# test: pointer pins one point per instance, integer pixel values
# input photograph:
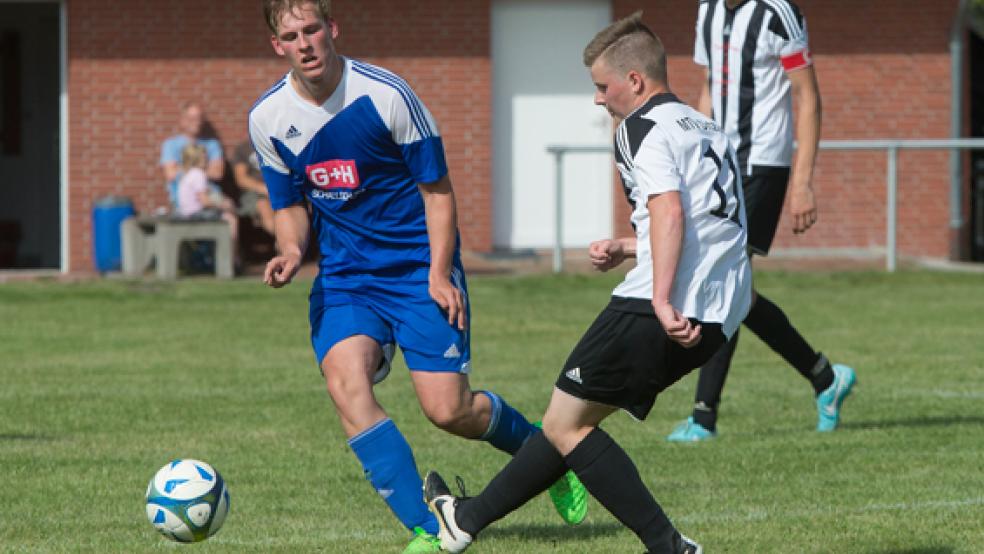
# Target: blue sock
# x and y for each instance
(389, 465)
(508, 429)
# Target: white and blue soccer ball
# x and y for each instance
(187, 501)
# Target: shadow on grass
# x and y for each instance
(552, 533)
(927, 550)
(24, 437)
(940, 421)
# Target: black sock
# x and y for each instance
(710, 383)
(768, 321)
(612, 478)
(535, 467)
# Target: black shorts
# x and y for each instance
(764, 191)
(625, 358)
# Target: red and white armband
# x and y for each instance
(797, 60)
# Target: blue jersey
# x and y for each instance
(357, 159)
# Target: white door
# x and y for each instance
(542, 95)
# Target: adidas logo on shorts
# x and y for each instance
(574, 375)
(452, 352)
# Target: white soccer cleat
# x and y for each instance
(690, 546)
(442, 504)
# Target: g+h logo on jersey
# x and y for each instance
(334, 174)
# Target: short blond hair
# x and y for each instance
(626, 45)
(273, 10)
(193, 155)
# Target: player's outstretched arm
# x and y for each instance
(608, 253)
(806, 94)
(291, 226)
(666, 222)
(442, 233)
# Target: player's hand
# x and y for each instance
(450, 299)
(802, 206)
(678, 328)
(281, 270)
(606, 254)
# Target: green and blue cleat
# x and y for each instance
(690, 431)
(830, 400)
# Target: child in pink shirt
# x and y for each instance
(199, 199)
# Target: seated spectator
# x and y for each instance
(197, 198)
(254, 200)
(191, 124)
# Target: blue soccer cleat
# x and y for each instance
(690, 431)
(829, 401)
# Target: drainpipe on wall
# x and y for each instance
(957, 33)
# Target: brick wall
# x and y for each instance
(881, 76)
(131, 65)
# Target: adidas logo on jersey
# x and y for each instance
(574, 375)
(452, 352)
(292, 133)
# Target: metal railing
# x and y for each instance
(891, 147)
(559, 152)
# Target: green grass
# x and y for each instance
(103, 382)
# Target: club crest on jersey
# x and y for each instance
(334, 174)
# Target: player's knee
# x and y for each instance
(551, 427)
(453, 418)
(345, 386)
(559, 432)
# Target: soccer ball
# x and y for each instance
(187, 501)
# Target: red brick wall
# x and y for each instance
(131, 64)
(881, 76)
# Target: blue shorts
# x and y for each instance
(392, 309)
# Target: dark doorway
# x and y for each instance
(976, 52)
(30, 159)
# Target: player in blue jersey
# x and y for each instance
(352, 157)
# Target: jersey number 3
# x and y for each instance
(726, 179)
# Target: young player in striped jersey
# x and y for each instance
(757, 57)
(688, 292)
(349, 152)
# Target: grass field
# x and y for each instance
(103, 382)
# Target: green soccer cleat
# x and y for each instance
(569, 497)
(422, 542)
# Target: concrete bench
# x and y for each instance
(148, 238)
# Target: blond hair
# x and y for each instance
(193, 155)
(629, 45)
(273, 10)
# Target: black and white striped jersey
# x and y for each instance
(747, 51)
(666, 146)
